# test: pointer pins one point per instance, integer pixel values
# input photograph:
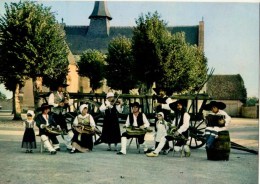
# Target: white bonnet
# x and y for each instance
(110, 94)
(82, 107)
(161, 113)
(30, 112)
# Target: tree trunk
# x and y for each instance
(16, 104)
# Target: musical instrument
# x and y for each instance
(171, 130)
(215, 120)
(137, 131)
(86, 129)
(54, 130)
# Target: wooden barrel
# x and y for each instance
(221, 147)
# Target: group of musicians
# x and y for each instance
(80, 137)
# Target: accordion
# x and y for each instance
(215, 120)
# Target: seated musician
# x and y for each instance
(43, 121)
(59, 99)
(217, 121)
(137, 120)
(180, 126)
(83, 128)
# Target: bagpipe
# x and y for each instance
(86, 129)
(215, 120)
(132, 130)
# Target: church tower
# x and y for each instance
(99, 20)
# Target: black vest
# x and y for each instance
(140, 121)
(179, 115)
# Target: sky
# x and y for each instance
(231, 29)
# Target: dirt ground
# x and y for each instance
(106, 167)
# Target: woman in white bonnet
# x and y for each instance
(83, 142)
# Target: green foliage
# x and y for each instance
(120, 65)
(2, 96)
(91, 65)
(148, 41)
(165, 58)
(184, 67)
(32, 44)
(252, 101)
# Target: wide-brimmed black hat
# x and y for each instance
(173, 105)
(44, 106)
(135, 104)
(219, 105)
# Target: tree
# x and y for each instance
(120, 65)
(32, 44)
(165, 58)
(184, 67)
(91, 65)
(2, 96)
(148, 39)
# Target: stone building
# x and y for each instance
(97, 35)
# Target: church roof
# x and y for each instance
(226, 87)
(100, 10)
(78, 40)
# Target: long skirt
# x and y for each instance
(29, 140)
(83, 140)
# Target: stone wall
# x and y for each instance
(250, 112)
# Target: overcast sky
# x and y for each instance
(231, 28)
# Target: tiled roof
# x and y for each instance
(78, 40)
(226, 87)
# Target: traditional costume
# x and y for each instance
(111, 131)
(134, 121)
(55, 99)
(180, 124)
(29, 140)
(216, 121)
(82, 142)
(46, 120)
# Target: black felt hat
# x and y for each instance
(173, 105)
(219, 105)
(135, 104)
(44, 106)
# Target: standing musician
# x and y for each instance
(60, 102)
(111, 130)
(163, 102)
(217, 121)
(43, 121)
(180, 124)
(137, 120)
(84, 129)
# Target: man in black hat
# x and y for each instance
(60, 102)
(217, 120)
(43, 120)
(163, 102)
(135, 119)
(181, 123)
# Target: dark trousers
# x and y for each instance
(140, 138)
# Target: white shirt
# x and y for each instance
(145, 120)
(162, 128)
(185, 125)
